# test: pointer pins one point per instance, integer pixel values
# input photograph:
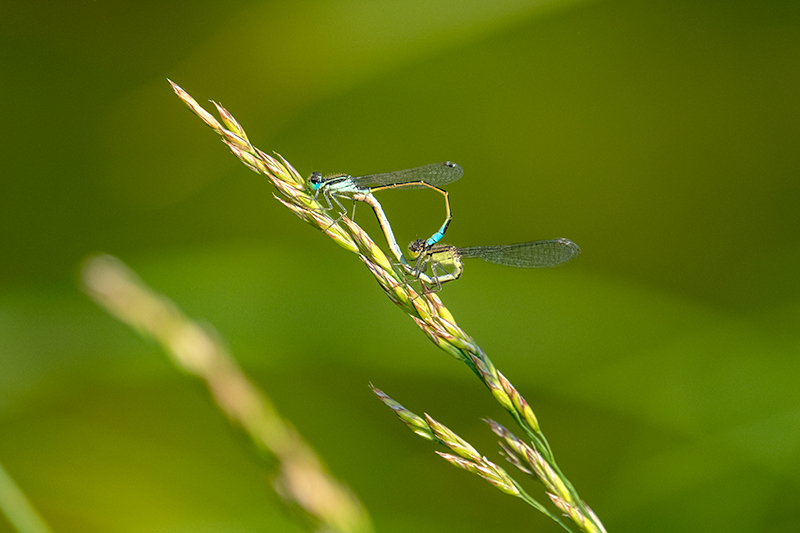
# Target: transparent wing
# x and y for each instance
(534, 254)
(436, 174)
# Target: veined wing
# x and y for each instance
(436, 174)
(534, 254)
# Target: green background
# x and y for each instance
(663, 364)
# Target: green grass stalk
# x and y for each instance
(424, 308)
(19, 510)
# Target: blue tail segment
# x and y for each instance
(436, 237)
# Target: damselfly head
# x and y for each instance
(315, 180)
(416, 248)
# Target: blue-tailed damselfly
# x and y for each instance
(360, 187)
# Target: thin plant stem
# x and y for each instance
(18, 508)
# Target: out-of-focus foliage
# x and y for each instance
(663, 363)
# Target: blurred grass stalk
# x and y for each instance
(18, 508)
(301, 479)
(426, 309)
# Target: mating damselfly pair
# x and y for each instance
(433, 263)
